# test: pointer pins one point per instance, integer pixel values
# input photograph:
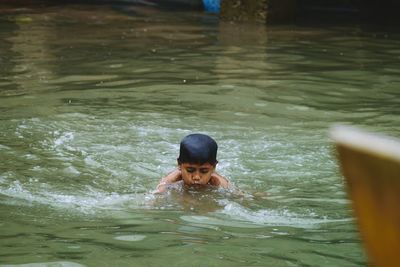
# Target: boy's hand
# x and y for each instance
(218, 180)
(172, 177)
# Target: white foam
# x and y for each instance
(269, 217)
(65, 137)
(88, 202)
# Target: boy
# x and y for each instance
(196, 164)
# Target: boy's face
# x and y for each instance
(196, 174)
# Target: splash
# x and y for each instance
(235, 215)
(88, 202)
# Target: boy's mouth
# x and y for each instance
(196, 183)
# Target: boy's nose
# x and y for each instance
(196, 176)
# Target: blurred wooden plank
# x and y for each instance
(371, 165)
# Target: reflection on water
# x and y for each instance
(94, 101)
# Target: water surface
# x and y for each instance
(95, 99)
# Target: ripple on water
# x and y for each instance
(81, 78)
(46, 264)
(130, 238)
(206, 220)
(237, 216)
(270, 217)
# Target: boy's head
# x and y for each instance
(198, 148)
(197, 159)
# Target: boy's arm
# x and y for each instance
(219, 180)
(171, 178)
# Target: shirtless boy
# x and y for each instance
(196, 164)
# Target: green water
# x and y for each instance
(94, 101)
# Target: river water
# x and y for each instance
(95, 99)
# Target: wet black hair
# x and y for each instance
(198, 148)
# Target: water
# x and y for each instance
(95, 99)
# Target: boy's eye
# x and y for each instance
(204, 170)
(190, 170)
